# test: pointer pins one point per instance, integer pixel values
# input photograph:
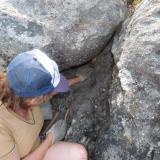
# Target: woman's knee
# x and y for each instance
(80, 151)
(66, 151)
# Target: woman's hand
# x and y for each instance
(58, 131)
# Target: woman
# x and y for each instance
(32, 78)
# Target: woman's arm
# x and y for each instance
(75, 80)
(39, 152)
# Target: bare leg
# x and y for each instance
(66, 151)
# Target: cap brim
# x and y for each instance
(63, 85)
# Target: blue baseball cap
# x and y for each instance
(33, 73)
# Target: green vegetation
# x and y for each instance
(131, 7)
(136, 2)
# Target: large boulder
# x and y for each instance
(134, 133)
(71, 32)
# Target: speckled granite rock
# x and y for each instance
(134, 133)
(72, 32)
(88, 103)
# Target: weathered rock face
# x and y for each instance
(134, 133)
(129, 1)
(88, 103)
(72, 32)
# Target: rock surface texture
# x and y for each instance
(88, 103)
(71, 32)
(134, 133)
(115, 112)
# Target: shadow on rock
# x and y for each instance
(87, 102)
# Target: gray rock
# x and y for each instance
(2, 64)
(129, 1)
(71, 32)
(88, 103)
(134, 133)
